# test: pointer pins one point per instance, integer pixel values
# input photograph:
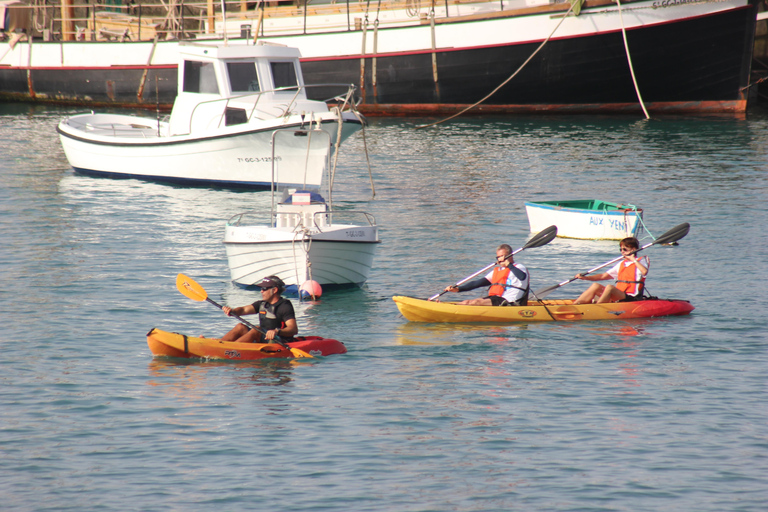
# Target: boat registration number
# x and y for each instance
(257, 160)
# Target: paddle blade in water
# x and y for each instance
(540, 294)
(300, 353)
(189, 288)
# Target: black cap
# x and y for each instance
(272, 282)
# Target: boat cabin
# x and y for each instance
(223, 86)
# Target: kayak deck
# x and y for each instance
(172, 344)
(420, 310)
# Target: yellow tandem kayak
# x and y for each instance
(420, 310)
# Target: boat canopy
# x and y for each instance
(313, 197)
(234, 85)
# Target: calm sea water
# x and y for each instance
(664, 414)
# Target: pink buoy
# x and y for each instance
(310, 290)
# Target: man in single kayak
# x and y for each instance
(509, 282)
(276, 315)
(629, 274)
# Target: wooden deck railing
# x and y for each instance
(72, 20)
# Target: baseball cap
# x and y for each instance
(271, 282)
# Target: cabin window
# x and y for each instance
(284, 74)
(243, 77)
(200, 77)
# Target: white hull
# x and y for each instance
(235, 123)
(341, 256)
(237, 156)
(584, 224)
(686, 56)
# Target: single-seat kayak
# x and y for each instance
(172, 344)
(420, 310)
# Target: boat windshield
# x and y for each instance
(284, 74)
(243, 77)
(200, 77)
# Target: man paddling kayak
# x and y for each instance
(276, 315)
(508, 281)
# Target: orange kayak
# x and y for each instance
(172, 344)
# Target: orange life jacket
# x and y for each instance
(627, 282)
(499, 281)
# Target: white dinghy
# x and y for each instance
(231, 101)
(586, 219)
(304, 239)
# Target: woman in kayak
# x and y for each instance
(276, 315)
(508, 281)
(629, 273)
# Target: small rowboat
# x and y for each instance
(171, 344)
(588, 219)
(420, 310)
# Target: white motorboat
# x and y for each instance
(303, 240)
(241, 115)
(588, 219)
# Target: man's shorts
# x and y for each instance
(501, 301)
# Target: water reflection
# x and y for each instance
(445, 334)
(188, 375)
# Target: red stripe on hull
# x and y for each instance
(736, 107)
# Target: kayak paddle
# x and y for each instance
(673, 235)
(542, 238)
(189, 288)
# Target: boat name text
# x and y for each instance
(673, 3)
(352, 233)
(232, 354)
(256, 160)
(619, 225)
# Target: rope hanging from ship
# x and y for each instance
(575, 7)
(367, 156)
(349, 100)
(629, 61)
(375, 46)
(412, 7)
(513, 75)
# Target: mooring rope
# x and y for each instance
(629, 61)
(337, 111)
(306, 244)
(365, 149)
(513, 75)
(635, 209)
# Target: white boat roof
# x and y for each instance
(240, 51)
